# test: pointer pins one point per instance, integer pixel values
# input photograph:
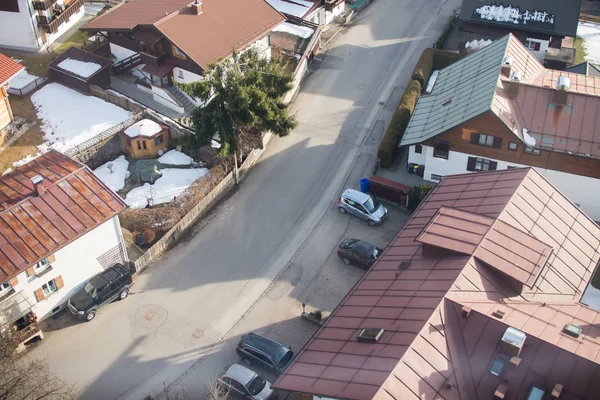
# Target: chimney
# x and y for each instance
(197, 7)
(556, 391)
(514, 84)
(512, 342)
(506, 66)
(38, 185)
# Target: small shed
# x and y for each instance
(78, 69)
(145, 139)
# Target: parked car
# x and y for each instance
(112, 283)
(358, 252)
(363, 206)
(264, 352)
(242, 380)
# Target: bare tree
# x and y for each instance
(217, 391)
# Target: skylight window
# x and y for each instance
(573, 330)
(497, 366)
(370, 334)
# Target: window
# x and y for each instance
(418, 149)
(484, 139)
(481, 164)
(533, 45)
(513, 146)
(139, 145)
(436, 177)
(9, 5)
(532, 150)
(5, 287)
(144, 145)
(441, 150)
(49, 288)
(42, 265)
(177, 52)
(55, 310)
(158, 140)
(510, 167)
(180, 73)
(497, 366)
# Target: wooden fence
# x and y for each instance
(224, 187)
(114, 98)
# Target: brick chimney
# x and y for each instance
(38, 185)
(197, 7)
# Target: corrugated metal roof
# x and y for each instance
(462, 91)
(585, 68)
(73, 202)
(427, 352)
(8, 68)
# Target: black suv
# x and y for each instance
(264, 352)
(101, 289)
(358, 252)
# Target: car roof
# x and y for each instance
(111, 274)
(240, 373)
(262, 343)
(356, 195)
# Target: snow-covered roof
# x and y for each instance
(145, 127)
(84, 69)
(296, 8)
(301, 31)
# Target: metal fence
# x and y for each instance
(37, 83)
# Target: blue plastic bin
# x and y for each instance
(364, 185)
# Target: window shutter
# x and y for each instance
(537, 46)
(493, 165)
(471, 164)
(497, 142)
(59, 282)
(39, 295)
(14, 281)
(30, 271)
(51, 258)
(475, 138)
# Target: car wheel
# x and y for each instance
(342, 210)
(90, 316)
(124, 293)
(346, 261)
(246, 361)
(371, 222)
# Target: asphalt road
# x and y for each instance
(196, 294)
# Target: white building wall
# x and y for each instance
(120, 52)
(262, 47)
(541, 53)
(337, 10)
(184, 76)
(17, 29)
(76, 263)
(75, 18)
(581, 190)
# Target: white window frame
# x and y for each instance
(41, 266)
(49, 288)
(482, 164)
(180, 73)
(486, 140)
(5, 287)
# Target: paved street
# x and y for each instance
(179, 326)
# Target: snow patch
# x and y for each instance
(528, 138)
(114, 173)
(21, 79)
(70, 118)
(477, 44)
(84, 69)
(298, 8)
(591, 40)
(25, 160)
(175, 157)
(171, 184)
(145, 127)
(215, 145)
(296, 30)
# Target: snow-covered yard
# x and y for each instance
(175, 157)
(114, 173)
(172, 183)
(590, 33)
(70, 118)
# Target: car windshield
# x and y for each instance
(94, 285)
(371, 205)
(91, 290)
(256, 385)
(283, 356)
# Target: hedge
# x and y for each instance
(444, 58)
(441, 42)
(389, 143)
(424, 66)
(417, 194)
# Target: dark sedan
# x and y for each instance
(358, 252)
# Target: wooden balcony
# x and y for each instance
(51, 25)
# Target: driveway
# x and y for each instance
(186, 308)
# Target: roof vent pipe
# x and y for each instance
(197, 7)
(563, 83)
(37, 184)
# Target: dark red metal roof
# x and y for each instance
(73, 201)
(422, 347)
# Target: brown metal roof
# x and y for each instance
(425, 344)
(74, 201)
(223, 26)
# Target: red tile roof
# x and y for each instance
(424, 343)
(223, 26)
(73, 202)
(8, 68)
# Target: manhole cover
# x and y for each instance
(151, 316)
(197, 333)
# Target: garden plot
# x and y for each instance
(69, 118)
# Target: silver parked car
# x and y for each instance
(363, 206)
(246, 382)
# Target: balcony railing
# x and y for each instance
(51, 25)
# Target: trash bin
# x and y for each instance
(364, 185)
